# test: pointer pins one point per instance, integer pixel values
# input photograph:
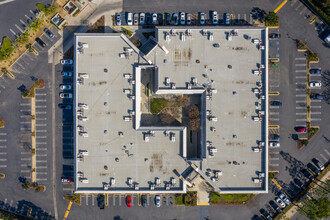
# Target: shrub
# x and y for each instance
(75, 198)
(6, 48)
(25, 185)
(157, 104)
(194, 120)
(312, 131)
(190, 199)
(271, 19)
(301, 45)
(214, 197)
(76, 12)
(45, 9)
(128, 32)
(312, 56)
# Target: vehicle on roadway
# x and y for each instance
(276, 103)
(142, 18)
(215, 17)
(144, 201)
(275, 206)
(157, 201)
(284, 198)
(202, 18)
(318, 163)
(315, 84)
(280, 202)
(65, 106)
(129, 18)
(175, 18)
(66, 61)
(274, 144)
(274, 36)
(316, 96)
(136, 19)
(301, 129)
(65, 87)
(66, 95)
(49, 33)
(66, 74)
(182, 18)
(227, 18)
(40, 42)
(154, 18)
(307, 174)
(129, 201)
(315, 71)
(313, 169)
(118, 19)
(66, 180)
(298, 183)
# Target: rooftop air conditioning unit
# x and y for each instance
(127, 118)
(84, 152)
(172, 137)
(182, 37)
(210, 36)
(213, 118)
(83, 75)
(83, 180)
(82, 105)
(85, 45)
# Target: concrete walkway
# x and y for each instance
(203, 191)
(33, 130)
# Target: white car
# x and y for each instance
(285, 199)
(157, 201)
(65, 87)
(142, 18)
(129, 18)
(188, 19)
(67, 61)
(315, 84)
(274, 144)
(136, 19)
(154, 18)
(202, 18)
(182, 18)
(280, 202)
(65, 95)
(215, 17)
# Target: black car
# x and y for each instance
(144, 201)
(318, 164)
(316, 96)
(160, 19)
(168, 18)
(257, 217)
(40, 42)
(275, 206)
(265, 214)
(148, 18)
(276, 103)
(307, 174)
(49, 33)
(298, 183)
(274, 36)
(65, 106)
(100, 201)
(313, 168)
(315, 71)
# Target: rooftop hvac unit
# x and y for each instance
(172, 32)
(182, 37)
(262, 47)
(213, 149)
(83, 75)
(127, 91)
(210, 36)
(127, 118)
(167, 186)
(172, 137)
(167, 81)
(80, 81)
(188, 85)
(127, 76)
(84, 45)
(173, 181)
(188, 32)
(106, 186)
(255, 41)
(157, 181)
(152, 186)
(82, 105)
(173, 86)
(213, 118)
(167, 37)
(112, 181)
(194, 81)
(83, 118)
(136, 186)
(214, 91)
(204, 32)
(128, 49)
(129, 181)
(122, 55)
(80, 174)
(256, 72)
(83, 180)
(84, 152)
(84, 134)
(146, 137)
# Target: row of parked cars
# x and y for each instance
(66, 88)
(180, 18)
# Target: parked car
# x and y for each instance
(66, 180)
(144, 201)
(40, 42)
(100, 201)
(182, 18)
(298, 183)
(157, 201)
(318, 163)
(66, 61)
(118, 19)
(160, 19)
(202, 18)
(315, 84)
(307, 174)
(284, 198)
(66, 74)
(275, 206)
(257, 217)
(316, 96)
(129, 18)
(168, 18)
(274, 137)
(65, 95)
(148, 18)
(65, 106)
(274, 144)
(315, 71)
(154, 18)
(274, 36)
(265, 214)
(276, 103)
(49, 33)
(188, 19)
(136, 19)
(175, 18)
(142, 18)
(129, 201)
(301, 129)
(227, 18)
(280, 202)
(215, 17)
(65, 87)
(313, 169)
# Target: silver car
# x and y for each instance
(202, 18)
(142, 18)
(215, 17)
(154, 18)
(118, 19)
(136, 19)
(188, 19)
(182, 18)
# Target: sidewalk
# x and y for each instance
(202, 191)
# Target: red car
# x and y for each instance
(301, 129)
(129, 201)
(66, 180)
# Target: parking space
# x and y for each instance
(3, 150)
(316, 104)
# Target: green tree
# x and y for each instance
(6, 48)
(271, 19)
(315, 208)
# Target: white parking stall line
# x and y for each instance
(301, 119)
(3, 147)
(25, 116)
(41, 124)
(299, 107)
(25, 171)
(41, 155)
(25, 122)
(86, 199)
(301, 113)
(276, 152)
(316, 106)
(41, 112)
(324, 158)
(316, 119)
(25, 129)
(300, 64)
(41, 136)
(274, 165)
(43, 173)
(274, 119)
(14, 33)
(300, 95)
(24, 153)
(25, 110)
(300, 58)
(3, 153)
(302, 90)
(23, 104)
(3, 140)
(39, 94)
(18, 27)
(25, 158)
(301, 77)
(2, 86)
(3, 166)
(27, 17)
(315, 100)
(274, 106)
(299, 5)
(3, 133)
(41, 142)
(301, 101)
(300, 71)
(274, 113)
(41, 167)
(41, 100)
(41, 106)
(327, 151)
(32, 13)
(303, 10)
(41, 161)
(274, 86)
(41, 131)
(251, 19)
(300, 83)
(41, 119)
(41, 148)
(316, 113)
(41, 179)
(244, 17)
(93, 198)
(276, 158)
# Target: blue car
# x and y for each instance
(276, 103)
(274, 137)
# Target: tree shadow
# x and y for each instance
(258, 14)
(294, 165)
